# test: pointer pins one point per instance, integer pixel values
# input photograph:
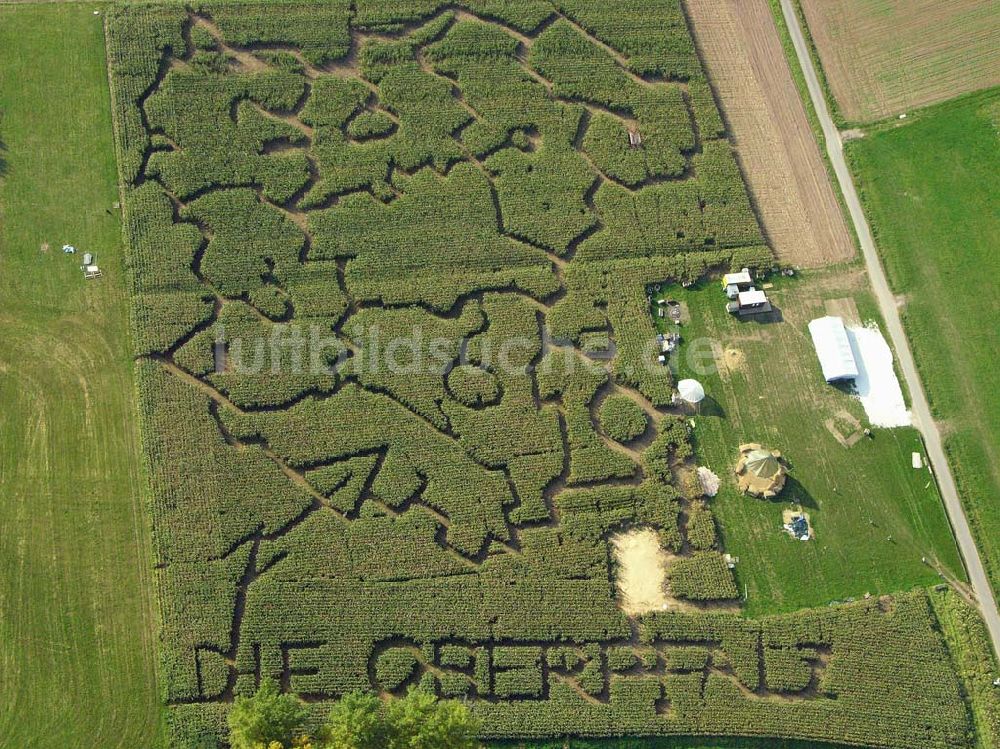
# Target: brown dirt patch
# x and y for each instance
(844, 307)
(781, 161)
(883, 57)
(728, 359)
(736, 360)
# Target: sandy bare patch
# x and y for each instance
(883, 57)
(727, 360)
(736, 360)
(641, 574)
(781, 161)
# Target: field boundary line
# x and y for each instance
(923, 419)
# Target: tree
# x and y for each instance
(272, 720)
(416, 721)
(420, 721)
(266, 718)
(355, 723)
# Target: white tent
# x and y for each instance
(833, 347)
(691, 391)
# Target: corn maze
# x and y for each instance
(308, 184)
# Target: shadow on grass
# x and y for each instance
(847, 387)
(763, 318)
(709, 406)
(795, 493)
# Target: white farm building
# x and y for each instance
(833, 347)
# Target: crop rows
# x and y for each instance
(376, 252)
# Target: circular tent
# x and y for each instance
(691, 391)
(760, 472)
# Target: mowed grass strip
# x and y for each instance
(874, 516)
(76, 622)
(931, 189)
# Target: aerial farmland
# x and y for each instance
(450, 380)
(885, 58)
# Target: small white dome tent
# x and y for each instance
(691, 391)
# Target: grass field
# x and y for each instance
(931, 190)
(76, 623)
(884, 57)
(769, 390)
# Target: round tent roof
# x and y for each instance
(691, 391)
(762, 464)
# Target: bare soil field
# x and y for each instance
(882, 57)
(784, 170)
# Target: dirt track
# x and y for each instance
(785, 172)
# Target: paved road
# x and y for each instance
(890, 312)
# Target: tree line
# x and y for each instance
(271, 719)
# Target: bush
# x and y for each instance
(268, 716)
(415, 720)
(622, 419)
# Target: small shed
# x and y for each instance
(752, 298)
(634, 139)
(742, 280)
(749, 302)
(88, 258)
(833, 347)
